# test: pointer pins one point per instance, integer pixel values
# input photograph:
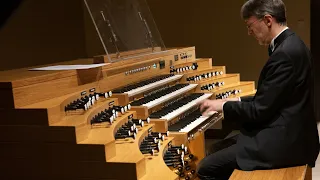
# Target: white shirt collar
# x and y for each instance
(272, 42)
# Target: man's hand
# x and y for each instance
(207, 106)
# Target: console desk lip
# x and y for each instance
(23, 77)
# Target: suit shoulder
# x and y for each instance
(293, 44)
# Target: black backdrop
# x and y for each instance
(315, 49)
(6, 9)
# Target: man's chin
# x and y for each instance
(262, 43)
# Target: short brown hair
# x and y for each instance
(260, 8)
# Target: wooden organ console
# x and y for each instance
(129, 120)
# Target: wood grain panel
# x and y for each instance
(291, 173)
(197, 146)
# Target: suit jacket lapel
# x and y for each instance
(281, 38)
(277, 42)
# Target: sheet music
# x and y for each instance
(68, 67)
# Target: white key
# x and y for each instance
(153, 85)
(170, 96)
(185, 107)
(197, 122)
(194, 124)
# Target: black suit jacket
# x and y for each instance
(278, 124)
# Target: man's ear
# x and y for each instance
(268, 19)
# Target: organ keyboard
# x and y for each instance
(121, 121)
(147, 85)
(190, 122)
(175, 109)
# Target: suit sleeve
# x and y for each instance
(247, 98)
(272, 93)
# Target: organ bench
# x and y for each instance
(292, 173)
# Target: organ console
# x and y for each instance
(135, 118)
(143, 125)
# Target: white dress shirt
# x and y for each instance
(272, 41)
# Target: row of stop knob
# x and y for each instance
(109, 114)
(226, 94)
(204, 76)
(130, 129)
(179, 159)
(211, 86)
(186, 68)
(85, 102)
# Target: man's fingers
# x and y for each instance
(207, 111)
(203, 105)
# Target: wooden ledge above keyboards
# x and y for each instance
(291, 173)
(21, 87)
